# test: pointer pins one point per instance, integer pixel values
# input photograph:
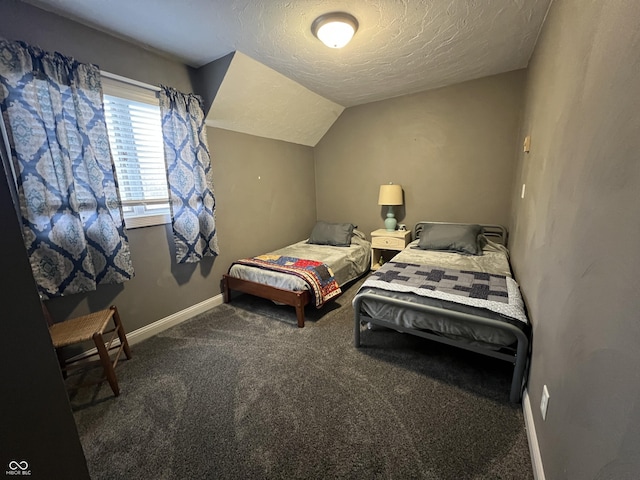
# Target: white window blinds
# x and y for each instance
(135, 136)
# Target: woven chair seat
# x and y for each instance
(79, 329)
(91, 327)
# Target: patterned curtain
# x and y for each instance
(71, 212)
(189, 176)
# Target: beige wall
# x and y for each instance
(453, 150)
(576, 234)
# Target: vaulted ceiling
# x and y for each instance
(401, 46)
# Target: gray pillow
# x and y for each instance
(336, 234)
(454, 238)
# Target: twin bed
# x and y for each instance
(452, 284)
(309, 271)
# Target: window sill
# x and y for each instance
(146, 221)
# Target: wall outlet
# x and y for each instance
(544, 402)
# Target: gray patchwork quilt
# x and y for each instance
(497, 293)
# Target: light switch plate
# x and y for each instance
(544, 402)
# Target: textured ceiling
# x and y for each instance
(402, 46)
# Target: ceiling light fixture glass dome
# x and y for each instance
(335, 29)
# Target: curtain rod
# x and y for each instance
(120, 78)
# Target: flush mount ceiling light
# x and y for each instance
(335, 29)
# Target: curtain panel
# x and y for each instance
(189, 175)
(71, 211)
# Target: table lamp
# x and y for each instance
(390, 195)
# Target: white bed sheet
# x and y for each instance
(494, 259)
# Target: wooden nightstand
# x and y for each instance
(386, 244)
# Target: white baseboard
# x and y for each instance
(175, 319)
(158, 326)
(534, 448)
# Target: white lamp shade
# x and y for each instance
(390, 195)
(336, 29)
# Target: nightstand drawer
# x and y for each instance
(388, 242)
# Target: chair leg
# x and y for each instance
(105, 359)
(121, 333)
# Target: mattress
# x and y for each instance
(495, 260)
(346, 263)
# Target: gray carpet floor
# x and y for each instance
(240, 393)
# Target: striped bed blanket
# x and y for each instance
(317, 275)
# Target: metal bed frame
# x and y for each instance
(518, 357)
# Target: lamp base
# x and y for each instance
(390, 222)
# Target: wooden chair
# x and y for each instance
(91, 327)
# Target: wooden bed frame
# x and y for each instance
(518, 356)
(294, 298)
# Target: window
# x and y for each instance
(135, 135)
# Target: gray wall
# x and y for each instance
(451, 149)
(576, 234)
(252, 214)
(36, 424)
(265, 194)
(455, 151)
(208, 79)
(20, 21)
